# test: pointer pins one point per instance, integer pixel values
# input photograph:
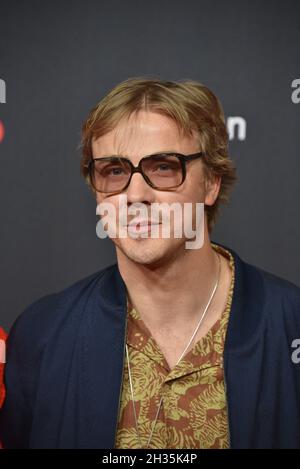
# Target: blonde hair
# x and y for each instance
(189, 103)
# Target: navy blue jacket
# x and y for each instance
(65, 360)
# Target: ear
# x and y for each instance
(213, 184)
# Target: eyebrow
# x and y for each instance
(128, 157)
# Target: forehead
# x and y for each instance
(143, 133)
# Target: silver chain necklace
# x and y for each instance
(183, 353)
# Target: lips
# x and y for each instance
(138, 223)
(140, 227)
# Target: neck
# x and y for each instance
(172, 292)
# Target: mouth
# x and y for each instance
(142, 226)
(141, 223)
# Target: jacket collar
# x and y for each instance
(106, 316)
(247, 300)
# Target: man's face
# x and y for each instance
(143, 134)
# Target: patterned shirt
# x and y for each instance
(194, 410)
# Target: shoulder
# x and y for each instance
(45, 316)
(276, 289)
(270, 284)
(280, 297)
(263, 296)
(281, 288)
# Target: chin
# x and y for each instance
(148, 251)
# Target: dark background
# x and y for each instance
(59, 58)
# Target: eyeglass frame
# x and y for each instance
(183, 159)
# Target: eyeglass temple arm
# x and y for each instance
(194, 156)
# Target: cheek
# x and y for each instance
(195, 193)
(102, 198)
(194, 189)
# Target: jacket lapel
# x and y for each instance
(103, 340)
(243, 353)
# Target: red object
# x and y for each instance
(2, 131)
(2, 360)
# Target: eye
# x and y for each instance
(163, 167)
(115, 171)
(110, 170)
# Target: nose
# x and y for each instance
(139, 191)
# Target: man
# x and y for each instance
(171, 347)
